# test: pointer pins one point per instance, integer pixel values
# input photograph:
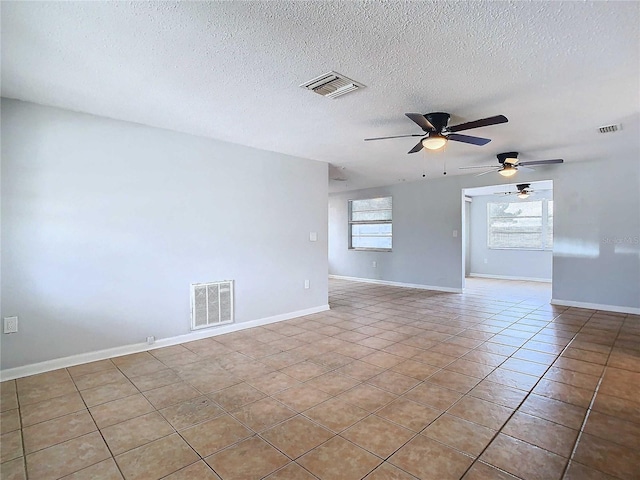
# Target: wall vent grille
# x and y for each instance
(211, 304)
(332, 85)
(610, 128)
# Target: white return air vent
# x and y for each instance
(332, 85)
(610, 128)
(211, 304)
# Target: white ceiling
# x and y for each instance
(231, 70)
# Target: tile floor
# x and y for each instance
(392, 383)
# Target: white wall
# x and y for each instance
(530, 264)
(105, 224)
(596, 258)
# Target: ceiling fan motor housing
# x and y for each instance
(439, 120)
(503, 157)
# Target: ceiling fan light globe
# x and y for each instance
(434, 142)
(507, 172)
(523, 195)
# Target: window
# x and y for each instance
(520, 225)
(370, 224)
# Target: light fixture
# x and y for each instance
(523, 194)
(507, 171)
(434, 141)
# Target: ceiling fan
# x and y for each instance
(509, 164)
(438, 133)
(524, 190)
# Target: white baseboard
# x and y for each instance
(596, 306)
(47, 366)
(398, 284)
(506, 277)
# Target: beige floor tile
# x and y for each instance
(9, 421)
(386, 471)
(58, 430)
(302, 397)
(156, 459)
(483, 413)
(91, 367)
(472, 369)
(500, 394)
(263, 414)
(554, 410)
(460, 434)
(296, 436)
(171, 395)
(563, 392)
(273, 382)
(626, 409)
(8, 396)
(430, 460)
(34, 394)
(135, 432)
(409, 414)
(482, 471)
(68, 457)
(157, 379)
(359, 370)
(333, 383)
(393, 382)
(367, 397)
(433, 395)
(542, 433)
(382, 359)
(191, 412)
(11, 446)
(292, 471)
(608, 457)
(577, 471)
(104, 470)
(196, 471)
(454, 381)
(48, 409)
(96, 379)
(13, 470)
(523, 459)
(518, 380)
(236, 396)
(304, 371)
(120, 410)
(415, 369)
(339, 459)
(378, 435)
(249, 459)
(106, 393)
(213, 435)
(336, 414)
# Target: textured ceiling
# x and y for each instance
(231, 70)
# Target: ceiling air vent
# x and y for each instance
(610, 128)
(332, 85)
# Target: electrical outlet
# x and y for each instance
(313, 236)
(306, 284)
(151, 340)
(10, 324)
(486, 261)
(374, 264)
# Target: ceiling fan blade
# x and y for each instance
(417, 148)
(484, 173)
(456, 137)
(525, 169)
(478, 166)
(483, 122)
(395, 136)
(542, 162)
(422, 122)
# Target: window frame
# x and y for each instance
(351, 223)
(544, 230)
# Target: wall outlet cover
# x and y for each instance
(10, 324)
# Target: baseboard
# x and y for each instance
(506, 277)
(398, 284)
(47, 366)
(596, 306)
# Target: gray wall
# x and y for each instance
(105, 224)
(534, 264)
(596, 256)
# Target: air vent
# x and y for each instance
(211, 304)
(610, 128)
(332, 85)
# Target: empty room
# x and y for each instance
(330, 240)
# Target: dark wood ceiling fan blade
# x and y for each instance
(542, 162)
(395, 136)
(456, 137)
(483, 122)
(478, 166)
(417, 148)
(422, 122)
